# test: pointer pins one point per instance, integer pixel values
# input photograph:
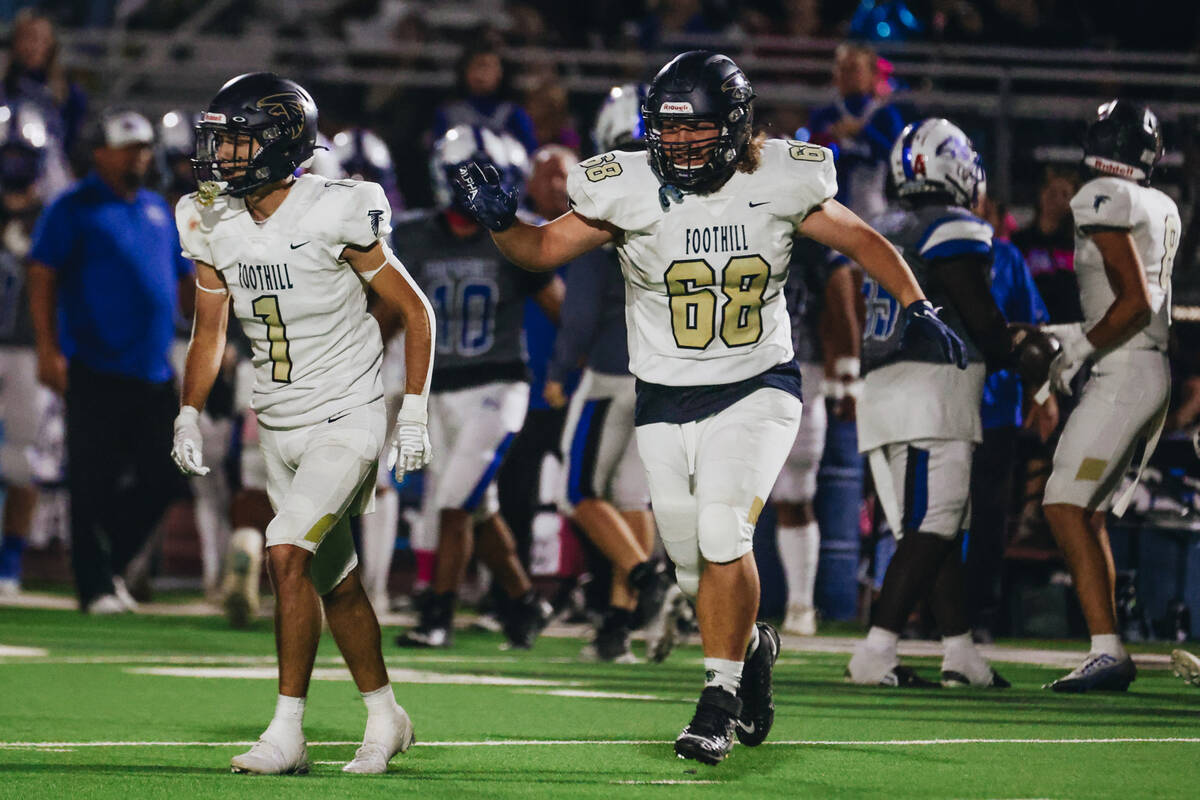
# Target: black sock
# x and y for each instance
(948, 597)
(910, 577)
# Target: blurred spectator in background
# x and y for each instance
(673, 21)
(885, 20)
(23, 402)
(482, 90)
(548, 108)
(363, 156)
(106, 280)
(995, 464)
(1048, 244)
(859, 126)
(34, 74)
(955, 21)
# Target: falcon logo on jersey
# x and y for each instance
(376, 215)
(1100, 199)
(290, 107)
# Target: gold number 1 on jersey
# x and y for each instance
(266, 308)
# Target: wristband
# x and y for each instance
(414, 409)
(846, 367)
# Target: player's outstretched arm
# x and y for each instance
(537, 248)
(836, 226)
(204, 355)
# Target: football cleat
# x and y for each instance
(268, 758)
(611, 644)
(800, 621)
(1099, 672)
(665, 630)
(1186, 666)
(758, 706)
(106, 605)
(868, 668)
(966, 667)
(422, 636)
(708, 738)
(525, 619)
(651, 580)
(372, 757)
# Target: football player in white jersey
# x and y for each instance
(1126, 234)
(703, 220)
(294, 257)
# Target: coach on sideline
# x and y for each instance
(106, 277)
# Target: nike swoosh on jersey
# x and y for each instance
(294, 246)
(756, 205)
(339, 416)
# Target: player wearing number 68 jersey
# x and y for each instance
(1126, 234)
(703, 221)
(294, 256)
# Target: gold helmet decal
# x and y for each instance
(289, 107)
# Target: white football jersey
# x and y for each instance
(1152, 219)
(704, 300)
(316, 350)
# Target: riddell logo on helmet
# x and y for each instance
(675, 108)
(1114, 167)
(210, 116)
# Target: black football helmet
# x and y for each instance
(1124, 140)
(697, 87)
(257, 130)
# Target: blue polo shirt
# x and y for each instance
(119, 264)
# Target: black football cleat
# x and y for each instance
(758, 706)
(524, 620)
(1099, 672)
(953, 679)
(435, 626)
(708, 738)
(651, 580)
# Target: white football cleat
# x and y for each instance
(800, 620)
(106, 605)
(871, 667)
(372, 757)
(1186, 666)
(269, 758)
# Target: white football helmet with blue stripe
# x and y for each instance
(483, 146)
(619, 124)
(935, 156)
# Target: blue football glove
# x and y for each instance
(928, 338)
(478, 191)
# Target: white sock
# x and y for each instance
(882, 640)
(379, 541)
(288, 721)
(957, 645)
(754, 636)
(381, 704)
(799, 552)
(724, 673)
(1110, 644)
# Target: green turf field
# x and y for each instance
(141, 707)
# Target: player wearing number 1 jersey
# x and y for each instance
(294, 257)
(703, 221)
(1126, 234)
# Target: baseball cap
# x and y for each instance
(125, 128)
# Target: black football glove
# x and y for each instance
(478, 191)
(927, 338)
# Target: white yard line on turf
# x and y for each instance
(591, 742)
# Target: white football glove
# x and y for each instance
(1076, 350)
(409, 449)
(186, 451)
